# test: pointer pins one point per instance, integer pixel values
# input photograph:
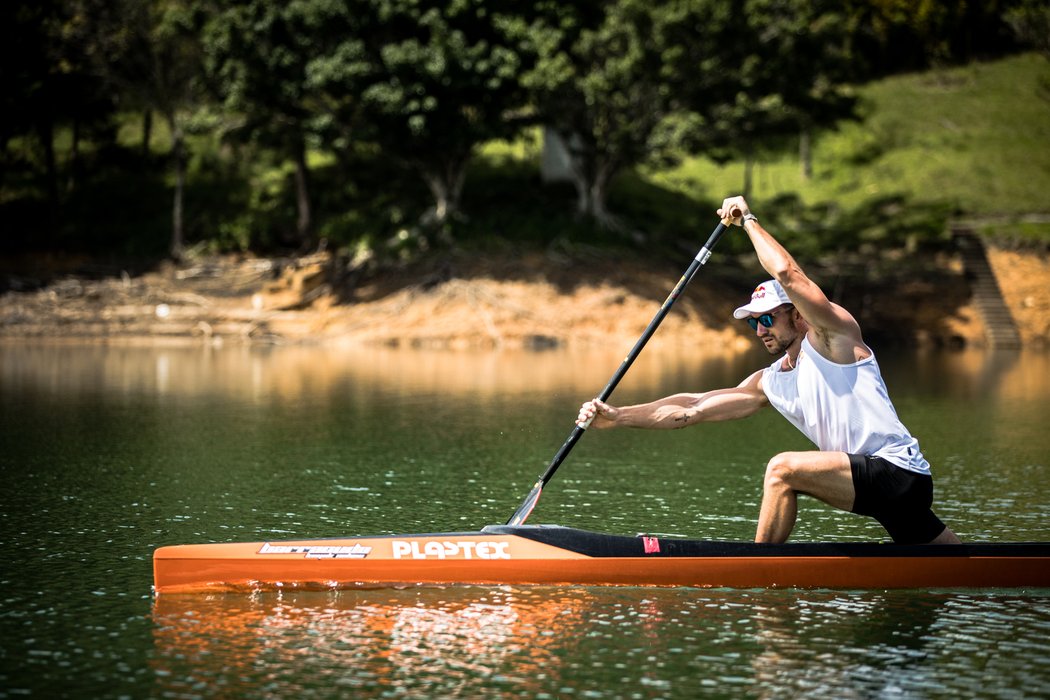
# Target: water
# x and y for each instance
(108, 453)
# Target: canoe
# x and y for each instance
(555, 555)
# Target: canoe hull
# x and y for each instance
(564, 556)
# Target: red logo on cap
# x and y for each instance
(760, 291)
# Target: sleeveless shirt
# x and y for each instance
(842, 408)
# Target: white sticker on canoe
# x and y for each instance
(446, 549)
(358, 551)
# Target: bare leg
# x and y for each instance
(776, 518)
(824, 475)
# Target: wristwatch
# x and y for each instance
(748, 217)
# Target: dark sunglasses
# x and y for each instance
(765, 319)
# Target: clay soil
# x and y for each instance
(463, 301)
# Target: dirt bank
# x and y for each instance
(459, 301)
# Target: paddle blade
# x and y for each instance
(523, 511)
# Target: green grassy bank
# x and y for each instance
(972, 142)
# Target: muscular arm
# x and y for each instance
(680, 410)
(833, 331)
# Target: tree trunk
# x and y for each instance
(805, 154)
(46, 132)
(584, 205)
(599, 197)
(591, 178)
(74, 157)
(439, 190)
(579, 172)
(446, 186)
(178, 245)
(147, 132)
(302, 195)
(749, 164)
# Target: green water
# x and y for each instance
(108, 453)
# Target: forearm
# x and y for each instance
(774, 258)
(682, 410)
(665, 414)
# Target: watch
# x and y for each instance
(748, 217)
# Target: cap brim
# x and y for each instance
(756, 308)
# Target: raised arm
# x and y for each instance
(680, 410)
(833, 331)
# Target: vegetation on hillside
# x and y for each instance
(139, 129)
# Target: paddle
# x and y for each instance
(523, 511)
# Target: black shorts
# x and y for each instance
(898, 498)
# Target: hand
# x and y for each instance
(734, 208)
(597, 414)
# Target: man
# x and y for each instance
(826, 382)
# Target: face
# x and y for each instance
(776, 329)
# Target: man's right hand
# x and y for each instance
(597, 414)
(734, 208)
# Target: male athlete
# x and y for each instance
(826, 382)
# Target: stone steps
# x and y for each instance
(1000, 328)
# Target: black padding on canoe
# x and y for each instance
(595, 544)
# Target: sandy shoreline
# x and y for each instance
(532, 301)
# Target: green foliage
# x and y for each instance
(1030, 22)
(967, 141)
(398, 124)
(428, 82)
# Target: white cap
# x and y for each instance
(766, 297)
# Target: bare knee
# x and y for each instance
(780, 471)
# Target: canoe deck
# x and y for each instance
(555, 555)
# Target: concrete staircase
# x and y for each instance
(1000, 328)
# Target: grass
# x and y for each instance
(972, 140)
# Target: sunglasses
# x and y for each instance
(765, 319)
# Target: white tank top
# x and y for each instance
(842, 408)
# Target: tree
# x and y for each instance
(795, 76)
(45, 82)
(895, 36)
(258, 55)
(1030, 22)
(148, 51)
(428, 81)
(626, 83)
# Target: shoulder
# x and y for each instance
(754, 382)
(831, 329)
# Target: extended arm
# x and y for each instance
(832, 329)
(680, 410)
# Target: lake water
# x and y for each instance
(110, 452)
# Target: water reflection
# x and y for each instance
(545, 642)
(869, 642)
(258, 373)
(979, 375)
(458, 642)
(289, 372)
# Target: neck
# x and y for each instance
(792, 352)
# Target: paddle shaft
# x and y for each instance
(574, 437)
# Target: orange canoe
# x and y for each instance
(547, 554)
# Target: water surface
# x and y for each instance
(109, 453)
